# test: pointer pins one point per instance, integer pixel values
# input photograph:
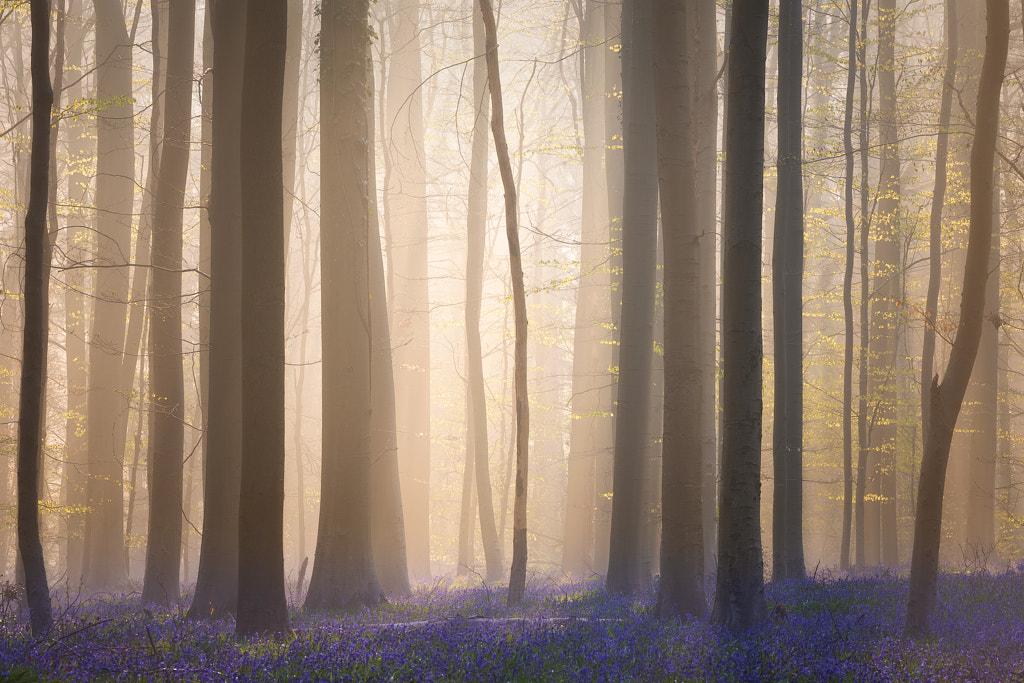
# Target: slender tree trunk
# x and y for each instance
(851, 232)
(217, 581)
(344, 576)
(517, 580)
(739, 599)
(592, 400)
(787, 290)
(705, 81)
(639, 249)
(935, 221)
(75, 322)
(34, 340)
(476, 225)
(860, 504)
(115, 183)
(886, 277)
(163, 551)
(205, 164)
(409, 297)
(681, 590)
(947, 396)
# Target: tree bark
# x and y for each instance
(217, 581)
(947, 396)
(517, 580)
(34, 340)
(115, 183)
(851, 232)
(163, 550)
(262, 605)
(787, 292)
(344, 576)
(639, 249)
(681, 590)
(739, 599)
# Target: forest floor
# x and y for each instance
(827, 629)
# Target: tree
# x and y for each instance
(739, 598)
(681, 590)
(163, 551)
(851, 232)
(787, 292)
(591, 431)
(885, 295)
(517, 580)
(115, 183)
(217, 582)
(406, 215)
(639, 253)
(946, 397)
(262, 605)
(344, 576)
(477, 447)
(35, 337)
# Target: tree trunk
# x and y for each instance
(115, 183)
(947, 396)
(851, 232)
(787, 293)
(591, 427)
(705, 81)
(217, 581)
(885, 300)
(75, 322)
(163, 551)
(739, 599)
(409, 298)
(344, 576)
(34, 340)
(517, 580)
(860, 505)
(639, 249)
(262, 605)
(681, 590)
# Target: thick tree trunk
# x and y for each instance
(851, 236)
(344, 576)
(217, 582)
(163, 550)
(262, 605)
(517, 580)
(639, 249)
(681, 590)
(739, 599)
(115, 184)
(860, 505)
(787, 292)
(34, 340)
(947, 396)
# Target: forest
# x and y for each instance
(462, 340)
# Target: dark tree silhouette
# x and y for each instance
(35, 337)
(787, 292)
(163, 548)
(681, 590)
(262, 605)
(217, 582)
(739, 598)
(946, 397)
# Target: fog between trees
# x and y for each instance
(331, 354)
